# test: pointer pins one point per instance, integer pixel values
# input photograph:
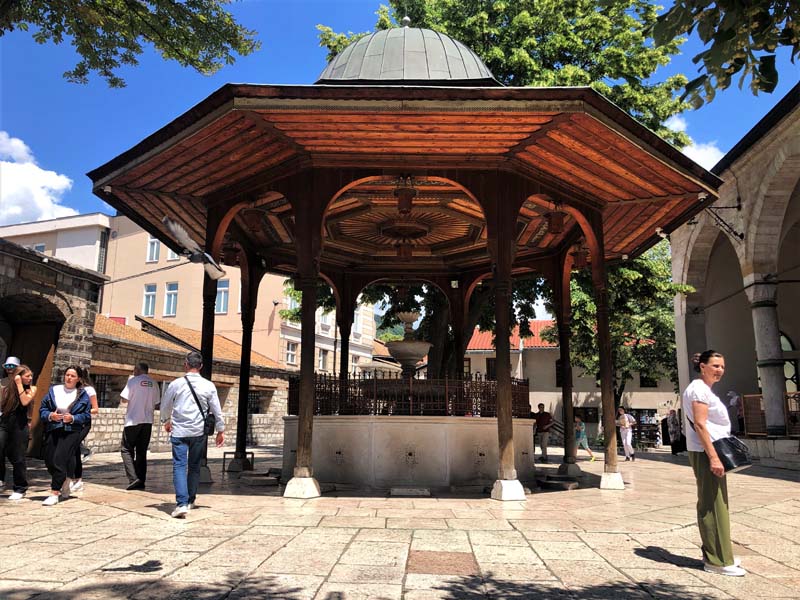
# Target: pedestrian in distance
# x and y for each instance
(580, 437)
(65, 410)
(705, 421)
(544, 421)
(141, 397)
(626, 422)
(16, 396)
(9, 364)
(185, 404)
(677, 441)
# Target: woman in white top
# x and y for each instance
(706, 420)
(64, 411)
(76, 467)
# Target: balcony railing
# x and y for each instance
(394, 395)
(755, 421)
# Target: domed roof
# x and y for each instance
(407, 56)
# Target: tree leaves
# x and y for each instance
(741, 38)
(108, 34)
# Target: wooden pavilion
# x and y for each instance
(408, 161)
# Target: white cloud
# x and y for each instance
(706, 154)
(27, 191)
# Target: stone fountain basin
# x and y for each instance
(406, 350)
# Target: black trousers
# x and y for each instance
(59, 453)
(13, 444)
(135, 440)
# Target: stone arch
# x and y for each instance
(695, 265)
(774, 193)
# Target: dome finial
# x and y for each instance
(406, 21)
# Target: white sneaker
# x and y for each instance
(51, 500)
(76, 486)
(16, 496)
(730, 570)
(191, 506)
(180, 512)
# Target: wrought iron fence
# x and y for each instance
(755, 421)
(469, 396)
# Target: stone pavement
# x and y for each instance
(248, 542)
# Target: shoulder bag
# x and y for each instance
(733, 453)
(209, 421)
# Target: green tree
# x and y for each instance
(642, 322)
(740, 37)
(599, 43)
(110, 33)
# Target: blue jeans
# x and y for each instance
(187, 452)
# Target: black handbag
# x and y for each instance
(209, 420)
(733, 453)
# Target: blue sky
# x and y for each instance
(52, 132)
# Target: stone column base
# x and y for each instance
(205, 474)
(570, 470)
(237, 465)
(612, 481)
(508, 489)
(302, 487)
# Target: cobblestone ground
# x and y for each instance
(248, 542)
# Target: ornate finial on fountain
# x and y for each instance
(408, 351)
(408, 318)
(406, 21)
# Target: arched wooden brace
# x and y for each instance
(591, 225)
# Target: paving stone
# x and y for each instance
(277, 587)
(349, 573)
(375, 553)
(505, 555)
(441, 541)
(442, 563)
(359, 591)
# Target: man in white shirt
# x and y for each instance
(141, 395)
(184, 420)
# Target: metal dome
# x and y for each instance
(407, 56)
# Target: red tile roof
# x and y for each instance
(482, 340)
(224, 348)
(113, 329)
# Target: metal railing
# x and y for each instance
(471, 396)
(755, 420)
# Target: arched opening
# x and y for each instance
(728, 319)
(789, 290)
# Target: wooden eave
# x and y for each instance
(573, 143)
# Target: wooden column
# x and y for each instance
(563, 299)
(507, 487)
(457, 319)
(207, 332)
(251, 274)
(611, 478)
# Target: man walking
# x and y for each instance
(183, 408)
(141, 395)
(544, 421)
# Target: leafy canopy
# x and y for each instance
(642, 319)
(599, 43)
(740, 37)
(108, 34)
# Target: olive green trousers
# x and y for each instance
(712, 512)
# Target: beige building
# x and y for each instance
(147, 279)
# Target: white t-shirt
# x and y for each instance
(64, 397)
(142, 395)
(718, 424)
(90, 391)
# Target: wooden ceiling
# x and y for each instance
(573, 144)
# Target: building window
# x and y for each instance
(223, 291)
(467, 366)
(325, 319)
(171, 300)
(101, 387)
(354, 363)
(172, 255)
(647, 382)
(39, 247)
(153, 249)
(491, 368)
(291, 353)
(149, 303)
(357, 323)
(322, 360)
(254, 402)
(559, 373)
(101, 255)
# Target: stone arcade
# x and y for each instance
(313, 181)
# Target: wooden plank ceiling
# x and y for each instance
(579, 153)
